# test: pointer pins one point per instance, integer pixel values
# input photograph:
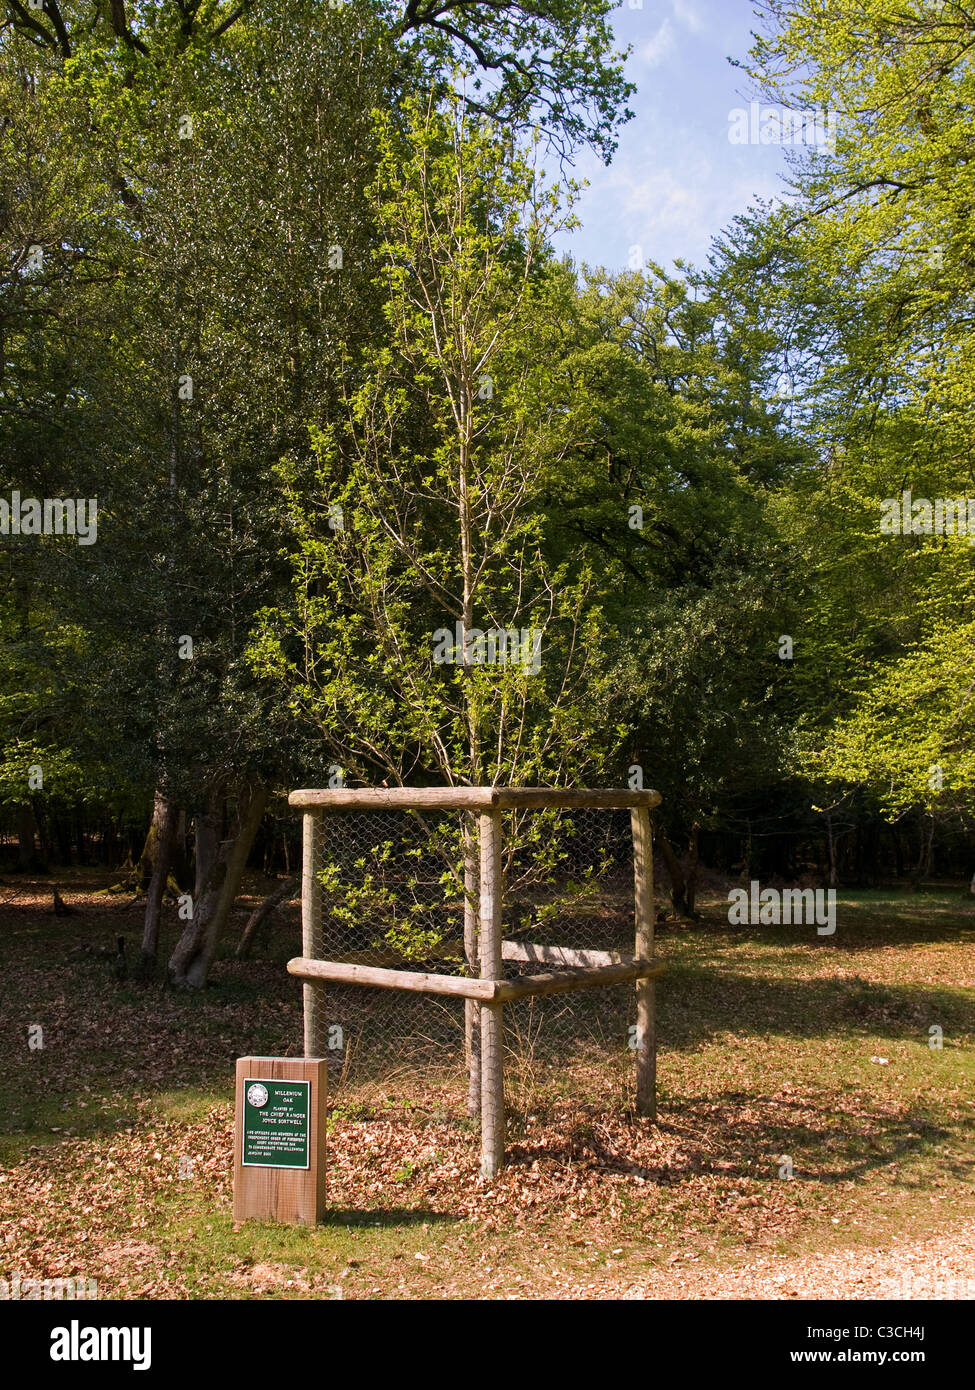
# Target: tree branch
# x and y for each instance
(24, 20)
(120, 27)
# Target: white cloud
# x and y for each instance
(664, 40)
(672, 212)
(686, 14)
(659, 46)
(661, 199)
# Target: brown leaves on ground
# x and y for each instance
(765, 1054)
(97, 1207)
(84, 1206)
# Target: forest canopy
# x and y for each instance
(279, 299)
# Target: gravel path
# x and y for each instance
(939, 1267)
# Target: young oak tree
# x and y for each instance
(431, 635)
(427, 533)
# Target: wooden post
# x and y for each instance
(492, 1026)
(279, 1139)
(313, 995)
(646, 1023)
(472, 1014)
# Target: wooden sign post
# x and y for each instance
(279, 1139)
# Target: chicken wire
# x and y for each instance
(393, 893)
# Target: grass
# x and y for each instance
(116, 1136)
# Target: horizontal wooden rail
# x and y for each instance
(487, 991)
(344, 973)
(469, 798)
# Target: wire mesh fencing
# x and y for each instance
(399, 889)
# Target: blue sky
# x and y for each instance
(675, 180)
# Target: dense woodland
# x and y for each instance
(277, 288)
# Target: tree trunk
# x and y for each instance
(746, 866)
(831, 843)
(109, 842)
(41, 820)
(928, 866)
(26, 828)
(179, 867)
(190, 962)
(262, 914)
(678, 884)
(898, 852)
(206, 842)
(925, 844)
(208, 880)
(690, 878)
(61, 834)
(163, 849)
(150, 850)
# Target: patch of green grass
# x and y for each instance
(344, 1256)
(189, 1103)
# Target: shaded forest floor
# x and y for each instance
(116, 1134)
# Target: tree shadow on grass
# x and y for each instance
(386, 1216)
(745, 1135)
(697, 1004)
(858, 927)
